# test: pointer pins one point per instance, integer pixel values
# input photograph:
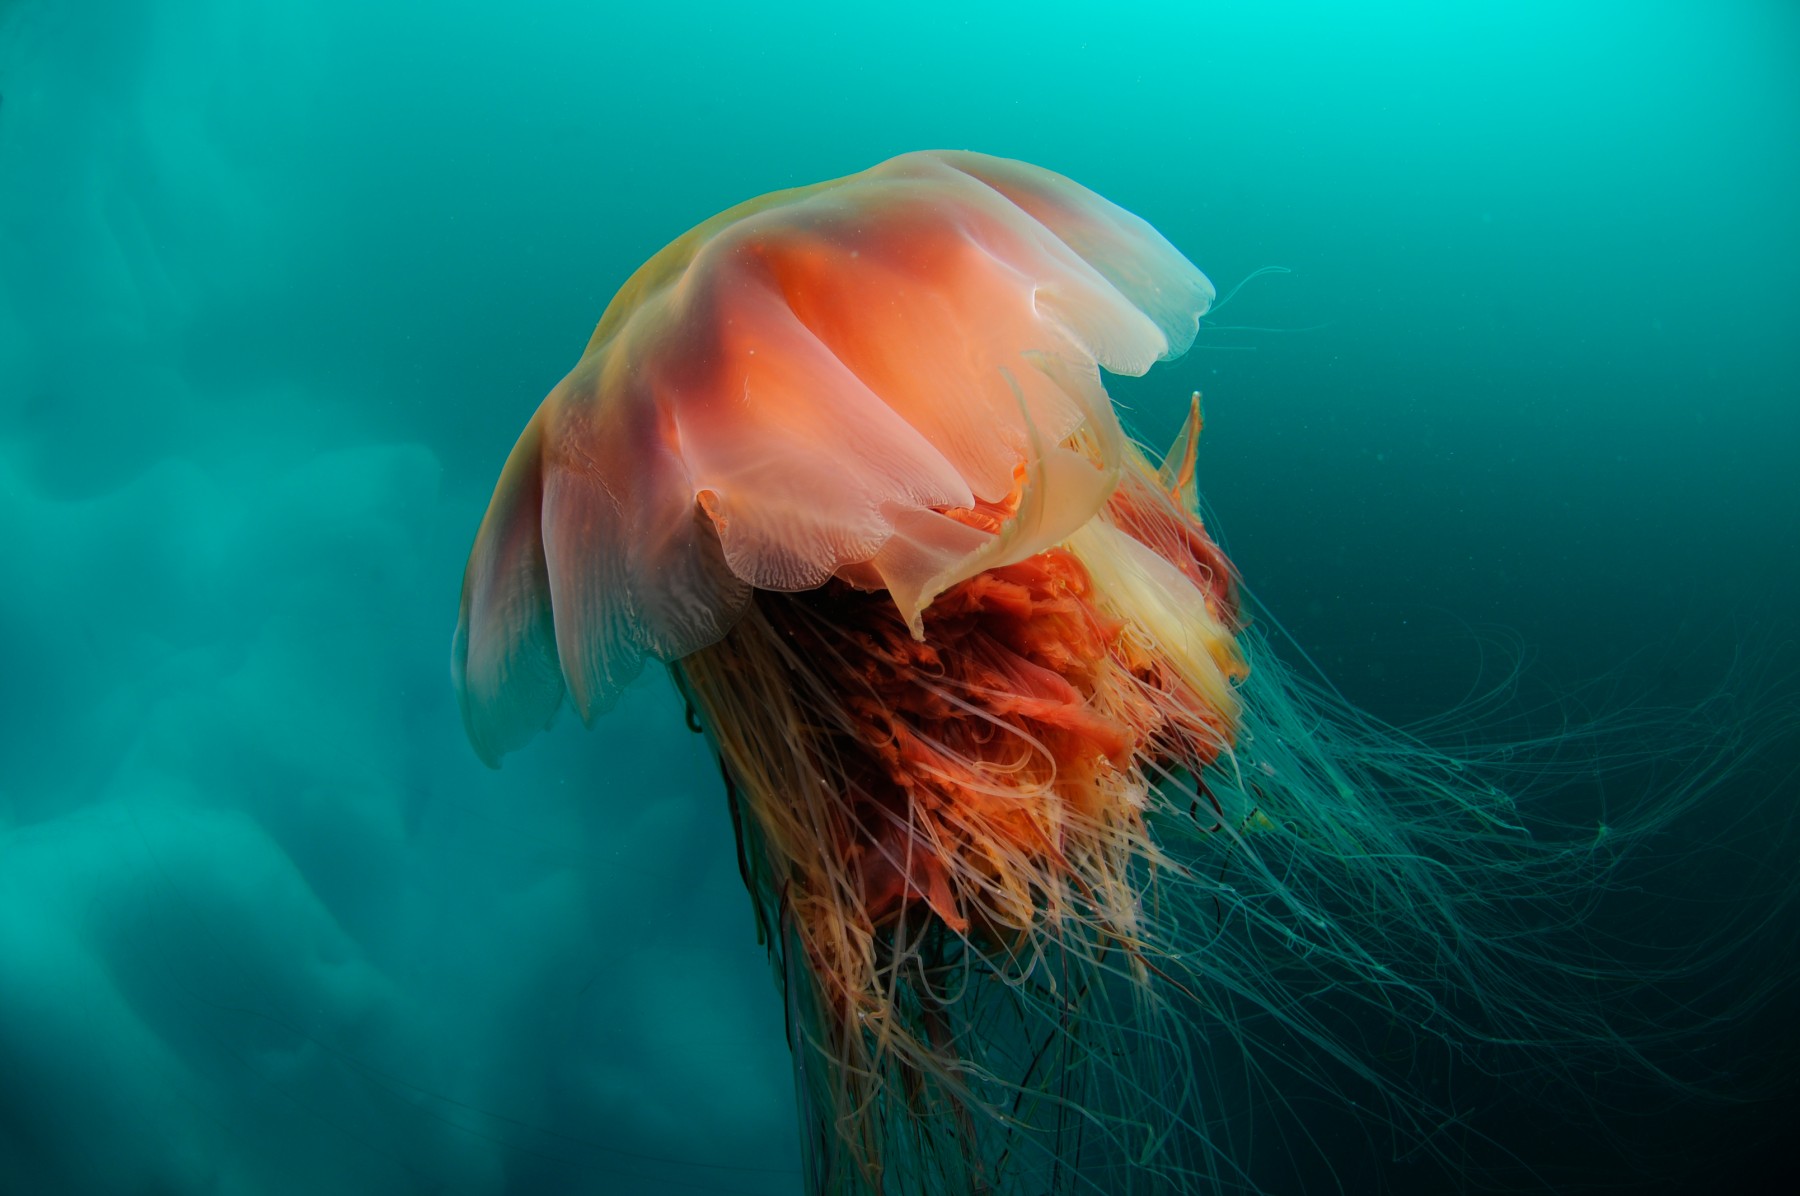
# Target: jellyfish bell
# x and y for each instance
(810, 385)
(1032, 823)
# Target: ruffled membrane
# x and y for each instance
(821, 382)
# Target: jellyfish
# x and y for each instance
(1061, 870)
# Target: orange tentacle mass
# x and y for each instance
(974, 753)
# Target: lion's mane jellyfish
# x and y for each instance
(1063, 874)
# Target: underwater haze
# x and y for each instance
(280, 283)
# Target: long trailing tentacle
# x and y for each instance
(1073, 891)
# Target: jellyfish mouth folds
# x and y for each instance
(979, 745)
(990, 783)
(1003, 755)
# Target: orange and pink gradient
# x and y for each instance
(842, 458)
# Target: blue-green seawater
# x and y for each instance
(280, 283)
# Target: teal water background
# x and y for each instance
(280, 283)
